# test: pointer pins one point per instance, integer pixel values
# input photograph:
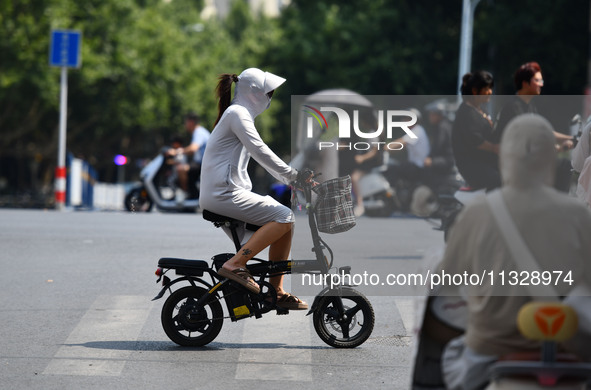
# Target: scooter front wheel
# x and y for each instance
(138, 200)
(345, 320)
(190, 325)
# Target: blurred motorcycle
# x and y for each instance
(159, 186)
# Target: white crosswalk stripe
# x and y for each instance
(276, 350)
(109, 319)
(272, 348)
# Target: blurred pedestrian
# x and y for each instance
(581, 163)
(357, 163)
(528, 83)
(475, 154)
(553, 226)
(417, 153)
(440, 161)
(190, 171)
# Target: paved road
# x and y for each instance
(76, 309)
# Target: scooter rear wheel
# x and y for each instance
(187, 324)
(349, 329)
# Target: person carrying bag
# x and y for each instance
(580, 296)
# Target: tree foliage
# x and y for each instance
(147, 62)
(144, 64)
(553, 33)
(370, 46)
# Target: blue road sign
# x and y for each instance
(64, 49)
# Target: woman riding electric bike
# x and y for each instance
(226, 186)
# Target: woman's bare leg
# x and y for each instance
(279, 251)
(268, 234)
(278, 237)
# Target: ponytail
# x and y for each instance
(223, 92)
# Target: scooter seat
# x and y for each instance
(184, 266)
(222, 219)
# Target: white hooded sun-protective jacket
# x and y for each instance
(225, 183)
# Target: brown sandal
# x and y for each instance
(242, 277)
(291, 302)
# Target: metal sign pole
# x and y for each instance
(64, 52)
(468, 7)
(60, 171)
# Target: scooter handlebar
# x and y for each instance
(305, 179)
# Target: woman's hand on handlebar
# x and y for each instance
(304, 178)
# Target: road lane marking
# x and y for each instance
(407, 309)
(90, 350)
(276, 348)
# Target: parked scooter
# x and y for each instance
(379, 198)
(442, 202)
(159, 186)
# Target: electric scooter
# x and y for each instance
(159, 186)
(193, 315)
(549, 322)
(442, 206)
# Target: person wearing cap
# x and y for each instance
(226, 187)
(553, 226)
